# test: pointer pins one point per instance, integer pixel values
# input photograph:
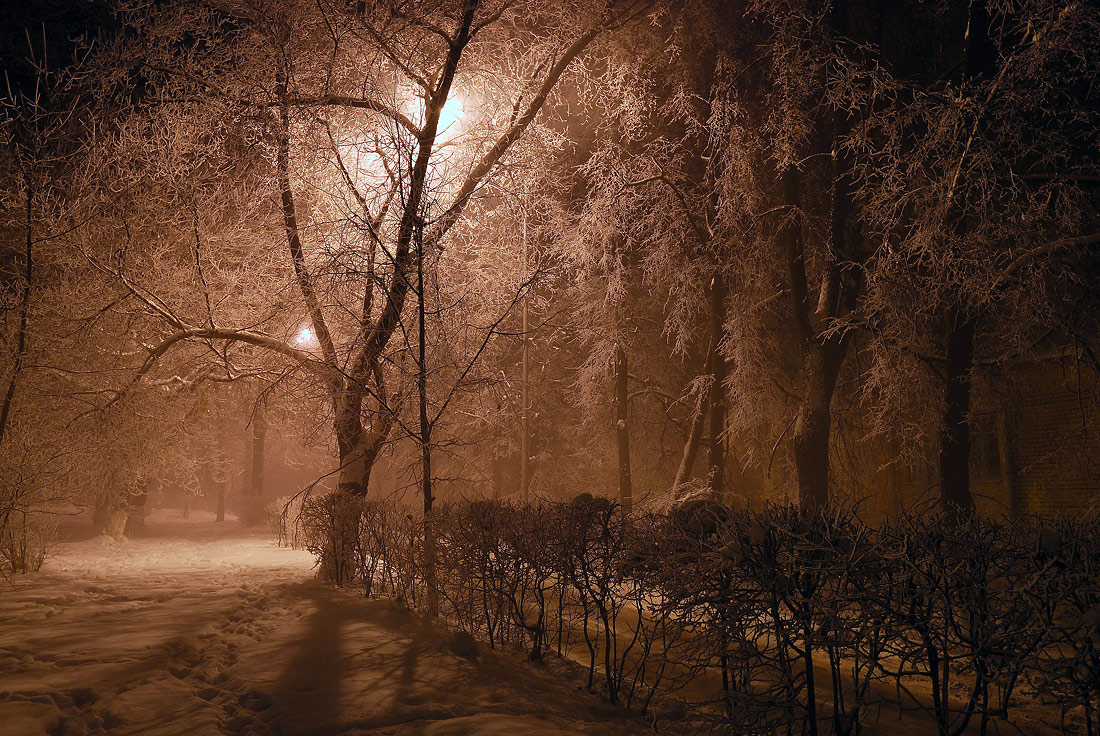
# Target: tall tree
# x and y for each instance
(358, 115)
(742, 181)
(979, 178)
(42, 132)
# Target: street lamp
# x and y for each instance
(305, 338)
(450, 117)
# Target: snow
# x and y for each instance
(196, 627)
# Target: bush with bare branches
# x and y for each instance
(757, 621)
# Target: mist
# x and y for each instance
(577, 367)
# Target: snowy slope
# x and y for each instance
(203, 628)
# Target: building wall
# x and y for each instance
(1052, 438)
(1038, 453)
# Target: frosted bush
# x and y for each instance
(27, 540)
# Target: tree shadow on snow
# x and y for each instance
(311, 685)
(361, 664)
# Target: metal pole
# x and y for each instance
(525, 419)
(422, 376)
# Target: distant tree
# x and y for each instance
(641, 252)
(738, 196)
(42, 133)
(807, 170)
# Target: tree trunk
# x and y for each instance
(99, 512)
(695, 434)
(955, 429)
(717, 472)
(355, 445)
(498, 477)
(822, 351)
(24, 309)
(422, 388)
(259, 439)
(346, 396)
(110, 515)
(222, 489)
(822, 358)
(115, 521)
(1008, 464)
(250, 508)
(206, 479)
(810, 436)
(135, 518)
(429, 550)
(955, 495)
(622, 430)
(525, 389)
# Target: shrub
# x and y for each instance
(26, 541)
(775, 621)
(329, 527)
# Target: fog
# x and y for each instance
(513, 366)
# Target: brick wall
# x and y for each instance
(1047, 434)
(1052, 438)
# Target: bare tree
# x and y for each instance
(353, 116)
(738, 195)
(978, 182)
(41, 136)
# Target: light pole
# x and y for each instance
(525, 418)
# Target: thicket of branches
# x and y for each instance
(871, 214)
(236, 177)
(782, 620)
(777, 235)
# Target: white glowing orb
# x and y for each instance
(450, 115)
(305, 337)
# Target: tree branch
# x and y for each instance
(481, 170)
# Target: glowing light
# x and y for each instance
(450, 115)
(305, 337)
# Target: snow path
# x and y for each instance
(200, 628)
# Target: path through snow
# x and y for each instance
(197, 628)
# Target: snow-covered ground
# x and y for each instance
(199, 628)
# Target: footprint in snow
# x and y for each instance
(254, 701)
